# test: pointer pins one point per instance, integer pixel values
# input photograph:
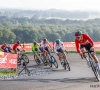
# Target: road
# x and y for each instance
(80, 77)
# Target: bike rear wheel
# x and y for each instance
(54, 61)
(66, 64)
(38, 62)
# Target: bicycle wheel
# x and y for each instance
(66, 64)
(95, 71)
(50, 63)
(54, 61)
(98, 74)
(42, 58)
(19, 61)
(25, 58)
(37, 61)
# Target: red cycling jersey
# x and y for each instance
(85, 40)
(2, 47)
(16, 45)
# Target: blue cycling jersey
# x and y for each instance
(7, 49)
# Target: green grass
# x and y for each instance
(7, 72)
(30, 52)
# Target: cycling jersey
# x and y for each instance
(85, 40)
(57, 47)
(45, 44)
(35, 46)
(2, 47)
(7, 49)
(16, 46)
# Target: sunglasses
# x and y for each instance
(78, 37)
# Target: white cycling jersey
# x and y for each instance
(58, 46)
(45, 44)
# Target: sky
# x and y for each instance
(48, 4)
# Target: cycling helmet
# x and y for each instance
(18, 42)
(44, 39)
(9, 45)
(34, 43)
(58, 41)
(78, 33)
(5, 43)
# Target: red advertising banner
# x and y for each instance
(8, 60)
(68, 45)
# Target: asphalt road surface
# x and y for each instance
(80, 77)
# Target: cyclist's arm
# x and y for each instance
(49, 46)
(77, 46)
(42, 46)
(22, 47)
(89, 39)
(55, 49)
(62, 45)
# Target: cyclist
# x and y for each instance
(3, 46)
(8, 49)
(35, 49)
(59, 48)
(45, 47)
(16, 47)
(84, 42)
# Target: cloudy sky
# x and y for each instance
(47, 4)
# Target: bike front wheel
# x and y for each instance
(54, 61)
(25, 58)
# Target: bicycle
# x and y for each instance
(65, 62)
(47, 61)
(95, 70)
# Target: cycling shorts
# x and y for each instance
(87, 47)
(60, 50)
(47, 49)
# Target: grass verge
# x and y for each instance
(8, 72)
(30, 52)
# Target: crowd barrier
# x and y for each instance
(8, 60)
(68, 45)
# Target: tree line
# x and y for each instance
(34, 29)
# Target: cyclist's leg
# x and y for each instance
(47, 52)
(62, 51)
(82, 48)
(95, 59)
(90, 48)
(43, 51)
(36, 53)
(59, 52)
(94, 55)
